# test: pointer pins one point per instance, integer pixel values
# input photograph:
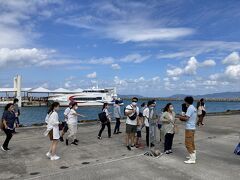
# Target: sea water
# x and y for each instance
(36, 115)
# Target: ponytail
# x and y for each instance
(53, 105)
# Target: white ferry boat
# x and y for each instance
(88, 97)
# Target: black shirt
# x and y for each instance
(10, 118)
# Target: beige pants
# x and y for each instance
(189, 141)
(72, 131)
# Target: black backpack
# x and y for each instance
(103, 117)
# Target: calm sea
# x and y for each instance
(32, 115)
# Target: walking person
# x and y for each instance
(201, 111)
(168, 124)
(190, 118)
(117, 116)
(106, 123)
(72, 122)
(17, 113)
(132, 112)
(64, 123)
(52, 131)
(8, 120)
(148, 114)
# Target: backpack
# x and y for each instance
(103, 117)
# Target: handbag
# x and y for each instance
(237, 149)
(1, 124)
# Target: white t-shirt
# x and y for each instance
(52, 124)
(72, 118)
(192, 114)
(129, 121)
(66, 113)
(146, 116)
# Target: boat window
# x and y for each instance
(87, 98)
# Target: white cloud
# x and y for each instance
(190, 68)
(92, 75)
(116, 66)
(208, 63)
(233, 72)
(232, 58)
(105, 60)
(135, 58)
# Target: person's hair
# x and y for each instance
(8, 106)
(143, 104)
(74, 104)
(184, 107)
(189, 100)
(104, 106)
(53, 105)
(15, 100)
(201, 100)
(117, 102)
(135, 99)
(150, 103)
(165, 109)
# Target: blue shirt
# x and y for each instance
(192, 114)
(10, 118)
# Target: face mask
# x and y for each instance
(76, 108)
(134, 103)
(152, 107)
(171, 108)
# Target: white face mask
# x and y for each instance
(134, 103)
(76, 108)
(171, 108)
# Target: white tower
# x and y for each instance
(17, 88)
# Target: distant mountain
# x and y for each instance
(227, 95)
(129, 96)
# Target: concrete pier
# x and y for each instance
(95, 159)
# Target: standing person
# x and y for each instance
(147, 114)
(190, 118)
(17, 112)
(107, 123)
(184, 109)
(8, 120)
(117, 116)
(65, 126)
(168, 123)
(72, 122)
(140, 125)
(52, 131)
(201, 111)
(132, 112)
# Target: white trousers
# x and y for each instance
(72, 131)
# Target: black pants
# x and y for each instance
(9, 135)
(117, 126)
(103, 127)
(168, 141)
(147, 135)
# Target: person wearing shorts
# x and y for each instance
(132, 112)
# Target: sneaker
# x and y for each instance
(109, 137)
(99, 137)
(55, 157)
(170, 151)
(167, 152)
(74, 143)
(76, 140)
(48, 155)
(61, 139)
(67, 142)
(133, 145)
(3, 148)
(119, 132)
(115, 133)
(190, 161)
(129, 148)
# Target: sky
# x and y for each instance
(152, 48)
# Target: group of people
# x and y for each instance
(137, 119)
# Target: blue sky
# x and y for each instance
(151, 48)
